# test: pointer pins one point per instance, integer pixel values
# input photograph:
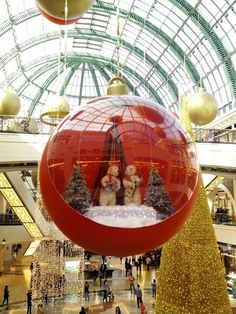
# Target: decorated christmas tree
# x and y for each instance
(157, 197)
(191, 276)
(76, 193)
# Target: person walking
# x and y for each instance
(105, 291)
(82, 311)
(103, 270)
(143, 309)
(148, 262)
(154, 288)
(5, 295)
(131, 280)
(140, 263)
(86, 291)
(139, 295)
(31, 267)
(29, 302)
(95, 276)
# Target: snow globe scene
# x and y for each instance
(123, 161)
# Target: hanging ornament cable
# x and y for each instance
(61, 76)
(65, 47)
(144, 61)
(59, 64)
(184, 82)
(118, 38)
(198, 26)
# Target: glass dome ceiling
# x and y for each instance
(168, 47)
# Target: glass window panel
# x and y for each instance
(233, 59)
(229, 40)
(164, 15)
(211, 9)
(6, 43)
(11, 66)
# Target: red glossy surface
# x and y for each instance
(119, 130)
(57, 20)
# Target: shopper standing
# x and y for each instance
(154, 288)
(131, 280)
(139, 294)
(82, 311)
(5, 295)
(86, 291)
(105, 291)
(148, 262)
(29, 302)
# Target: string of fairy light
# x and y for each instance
(191, 276)
(49, 277)
(49, 272)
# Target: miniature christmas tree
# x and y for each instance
(76, 193)
(157, 197)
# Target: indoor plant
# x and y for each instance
(234, 287)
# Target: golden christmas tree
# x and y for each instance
(191, 275)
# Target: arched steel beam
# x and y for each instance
(38, 95)
(45, 85)
(100, 6)
(114, 72)
(51, 59)
(81, 82)
(67, 79)
(110, 64)
(213, 39)
(181, 4)
(111, 9)
(95, 80)
(34, 76)
(99, 36)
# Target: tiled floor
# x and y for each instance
(19, 283)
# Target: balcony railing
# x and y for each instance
(26, 125)
(215, 135)
(15, 124)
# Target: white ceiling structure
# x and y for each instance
(168, 47)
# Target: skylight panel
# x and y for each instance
(6, 43)
(3, 10)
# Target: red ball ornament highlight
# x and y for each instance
(120, 176)
(56, 20)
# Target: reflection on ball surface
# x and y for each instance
(119, 131)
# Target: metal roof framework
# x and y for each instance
(167, 48)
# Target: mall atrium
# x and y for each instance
(118, 156)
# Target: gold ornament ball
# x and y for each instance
(56, 8)
(58, 107)
(9, 102)
(117, 86)
(203, 108)
(34, 177)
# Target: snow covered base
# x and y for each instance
(129, 216)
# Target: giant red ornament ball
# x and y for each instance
(119, 131)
